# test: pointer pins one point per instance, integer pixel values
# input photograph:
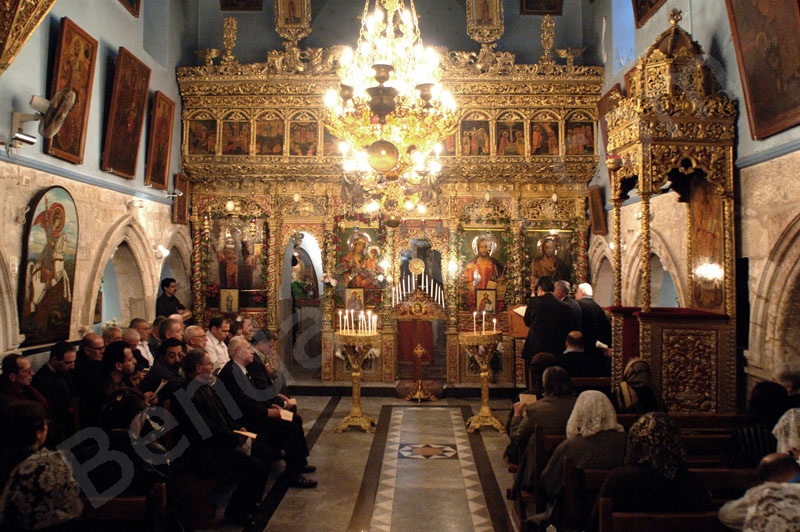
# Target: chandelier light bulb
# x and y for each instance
(389, 91)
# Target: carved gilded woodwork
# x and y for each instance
(304, 191)
(675, 132)
(293, 19)
(18, 20)
(689, 366)
(675, 126)
(485, 21)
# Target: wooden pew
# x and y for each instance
(695, 422)
(535, 501)
(723, 484)
(150, 508)
(602, 384)
(657, 522)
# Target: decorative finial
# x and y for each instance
(548, 37)
(229, 39)
(675, 16)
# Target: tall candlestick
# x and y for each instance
(483, 323)
(340, 320)
(475, 322)
(494, 325)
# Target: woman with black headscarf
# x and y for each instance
(655, 477)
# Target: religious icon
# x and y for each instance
(235, 138)
(160, 142)
(229, 301)
(359, 266)
(551, 258)
(580, 138)
(126, 115)
(354, 299)
(49, 267)
(76, 55)
(510, 138)
(269, 137)
(474, 137)
(486, 301)
(483, 271)
(544, 138)
(202, 137)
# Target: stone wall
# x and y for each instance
(769, 222)
(105, 222)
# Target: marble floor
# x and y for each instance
(420, 470)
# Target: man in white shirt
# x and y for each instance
(143, 327)
(219, 329)
(132, 338)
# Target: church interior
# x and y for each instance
(389, 217)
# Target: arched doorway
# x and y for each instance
(174, 268)
(121, 292)
(301, 316)
(662, 287)
(604, 283)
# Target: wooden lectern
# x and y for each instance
(516, 323)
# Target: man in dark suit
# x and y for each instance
(594, 322)
(561, 291)
(88, 377)
(549, 320)
(263, 417)
(582, 364)
(54, 381)
(221, 452)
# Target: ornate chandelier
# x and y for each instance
(390, 110)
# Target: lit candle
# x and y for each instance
(494, 325)
(375, 324)
(475, 322)
(340, 320)
(346, 326)
(394, 292)
(353, 320)
(483, 323)
(369, 321)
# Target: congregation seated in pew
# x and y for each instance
(655, 476)
(594, 440)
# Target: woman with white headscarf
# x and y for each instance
(594, 441)
(787, 432)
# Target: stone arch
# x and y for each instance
(601, 263)
(128, 230)
(776, 305)
(10, 338)
(180, 262)
(599, 250)
(632, 263)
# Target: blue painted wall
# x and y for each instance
(112, 26)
